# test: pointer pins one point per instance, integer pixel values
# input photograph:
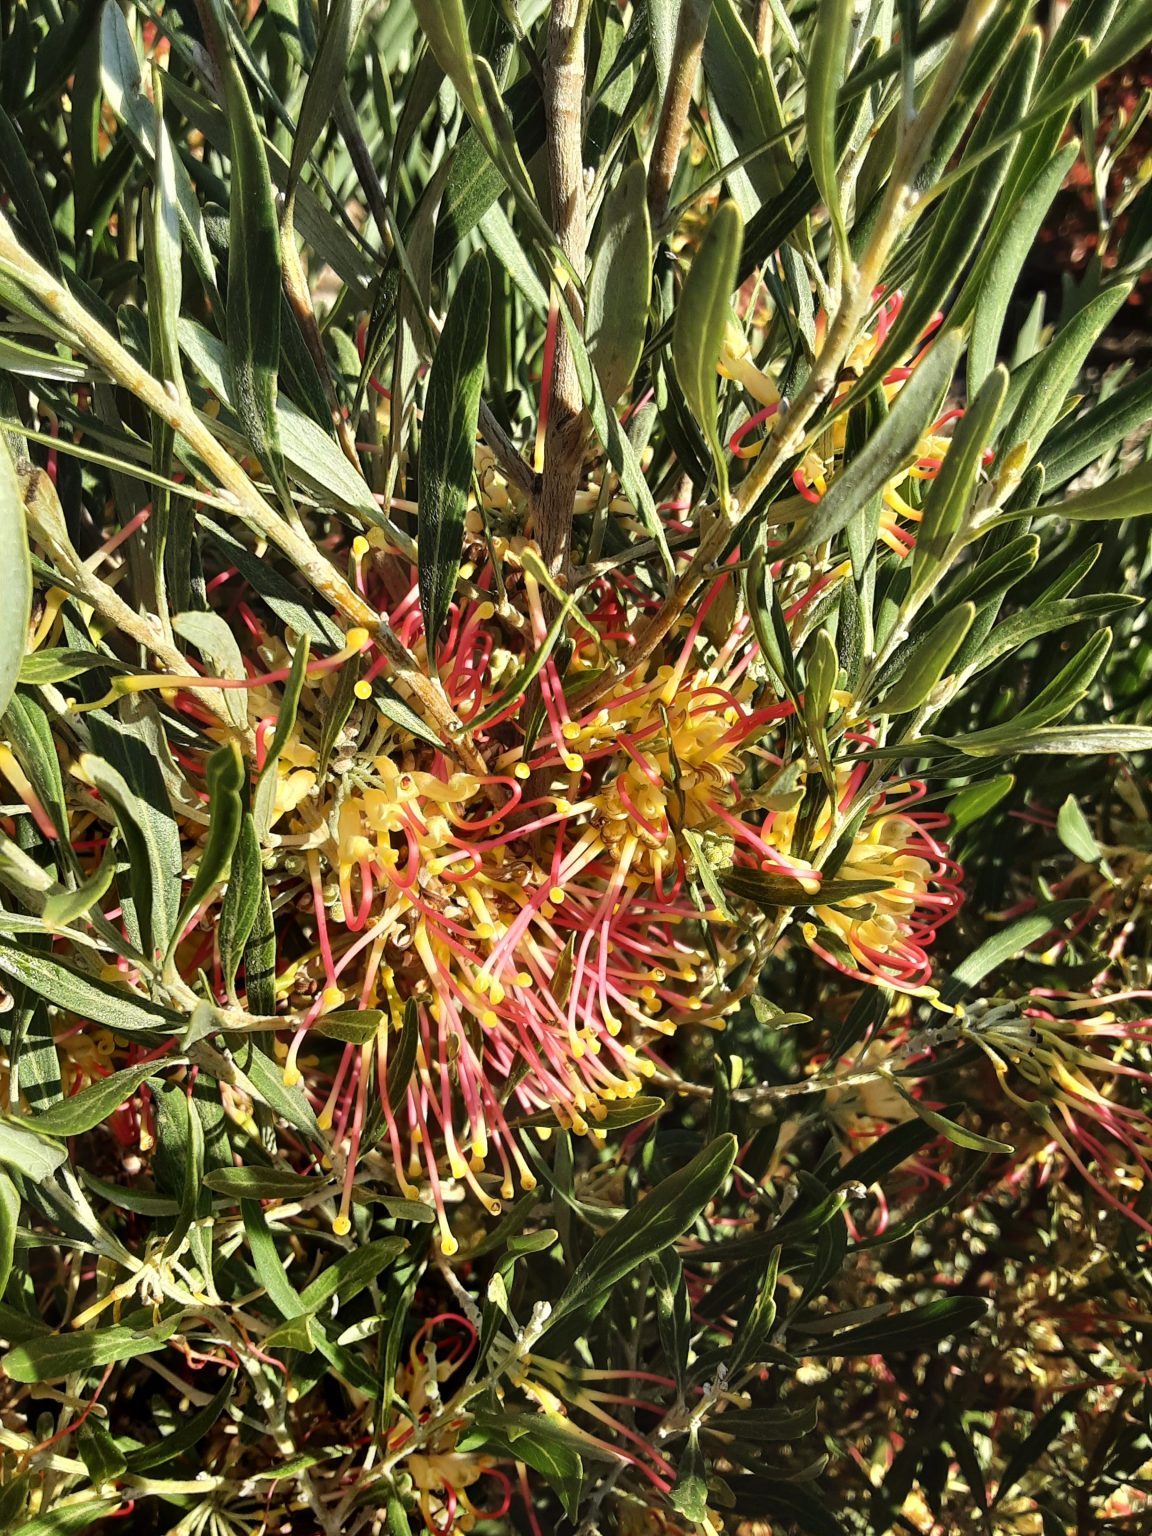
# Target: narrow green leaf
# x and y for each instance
(20, 182)
(658, 1220)
(444, 26)
(1051, 704)
(949, 498)
(261, 1183)
(992, 285)
(916, 1328)
(354, 1026)
(68, 1519)
(266, 1261)
(185, 1436)
(1083, 439)
(742, 87)
(701, 322)
(1036, 1442)
(218, 646)
(887, 452)
(1041, 389)
(9, 1221)
(448, 442)
(620, 284)
(402, 1060)
(241, 904)
(772, 891)
(1074, 832)
(92, 1105)
(824, 77)
(1008, 944)
(48, 1359)
(253, 261)
(265, 798)
(226, 775)
(100, 1453)
(325, 78)
(267, 1081)
(64, 907)
(929, 662)
(979, 800)
(351, 1273)
(1128, 495)
(29, 1154)
(959, 1135)
(152, 841)
(16, 563)
(116, 1007)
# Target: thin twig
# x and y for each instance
(567, 424)
(317, 570)
(686, 53)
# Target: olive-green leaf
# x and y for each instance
(929, 662)
(444, 26)
(350, 1273)
(325, 79)
(68, 1519)
(827, 61)
(261, 1183)
(916, 1328)
(241, 904)
(355, 1026)
(1042, 387)
(701, 322)
(226, 776)
(152, 843)
(887, 452)
(990, 289)
(264, 801)
(9, 1220)
(60, 1354)
(64, 907)
(28, 1153)
(950, 494)
(660, 1218)
(92, 1105)
(620, 284)
(448, 442)
(253, 307)
(16, 564)
(770, 891)
(1128, 495)
(99, 1002)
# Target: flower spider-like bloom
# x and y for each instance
(440, 1473)
(882, 934)
(1071, 1056)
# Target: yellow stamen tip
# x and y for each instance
(522, 771)
(573, 762)
(333, 997)
(341, 1226)
(449, 1245)
(360, 546)
(356, 639)
(556, 895)
(363, 689)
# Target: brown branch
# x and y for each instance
(686, 53)
(567, 423)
